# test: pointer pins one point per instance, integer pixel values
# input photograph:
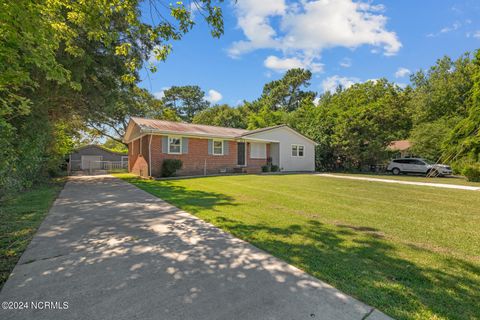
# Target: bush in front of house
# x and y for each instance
(270, 168)
(170, 167)
(472, 172)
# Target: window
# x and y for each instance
(174, 145)
(218, 147)
(258, 150)
(298, 150)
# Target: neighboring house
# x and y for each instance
(94, 157)
(209, 149)
(401, 147)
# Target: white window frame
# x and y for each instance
(213, 148)
(298, 150)
(174, 137)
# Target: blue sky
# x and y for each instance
(341, 41)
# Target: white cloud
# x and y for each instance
(346, 63)
(331, 83)
(253, 17)
(302, 30)
(213, 96)
(194, 8)
(402, 72)
(475, 34)
(160, 94)
(455, 26)
(283, 64)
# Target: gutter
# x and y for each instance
(150, 156)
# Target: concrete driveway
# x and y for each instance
(111, 251)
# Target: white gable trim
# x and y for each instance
(280, 127)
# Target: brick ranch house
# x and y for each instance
(209, 150)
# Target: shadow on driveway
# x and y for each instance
(112, 251)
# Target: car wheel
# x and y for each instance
(396, 171)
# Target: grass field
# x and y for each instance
(412, 252)
(416, 178)
(21, 215)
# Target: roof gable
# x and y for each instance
(282, 126)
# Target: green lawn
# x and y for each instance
(21, 215)
(412, 252)
(416, 178)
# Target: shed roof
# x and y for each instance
(99, 147)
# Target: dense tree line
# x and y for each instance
(439, 113)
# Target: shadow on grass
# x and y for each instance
(359, 262)
(355, 259)
(187, 199)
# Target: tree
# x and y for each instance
(186, 100)
(286, 93)
(266, 117)
(82, 63)
(223, 116)
(429, 138)
(463, 145)
(355, 124)
(112, 121)
(115, 146)
(443, 90)
(372, 115)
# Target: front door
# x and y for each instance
(241, 153)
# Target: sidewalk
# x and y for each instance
(427, 184)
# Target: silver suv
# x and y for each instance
(418, 165)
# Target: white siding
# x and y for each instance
(286, 138)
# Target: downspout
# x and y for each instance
(150, 156)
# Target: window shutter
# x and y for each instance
(185, 145)
(165, 144)
(210, 146)
(225, 147)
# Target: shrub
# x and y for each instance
(472, 172)
(170, 167)
(274, 168)
(266, 168)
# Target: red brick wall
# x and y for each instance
(193, 161)
(255, 165)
